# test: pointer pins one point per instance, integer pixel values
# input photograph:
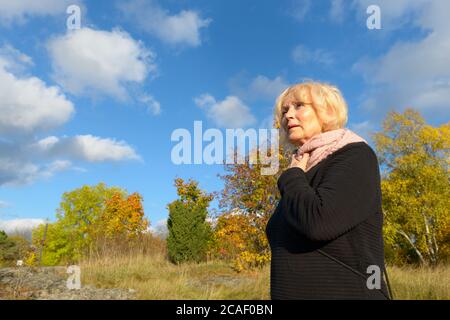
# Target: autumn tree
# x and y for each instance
(254, 196)
(85, 216)
(415, 187)
(123, 216)
(54, 242)
(189, 232)
(237, 238)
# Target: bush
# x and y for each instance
(189, 233)
(12, 249)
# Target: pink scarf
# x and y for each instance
(322, 145)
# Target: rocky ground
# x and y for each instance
(50, 283)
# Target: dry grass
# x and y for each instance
(424, 283)
(153, 277)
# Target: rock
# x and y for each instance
(49, 283)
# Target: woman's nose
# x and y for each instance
(290, 113)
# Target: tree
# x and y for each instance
(56, 248)
(254, 196)
(87, 216)
(7, 249)
(123, 216)
(415, 187)
(189, 232)
(12, 249)
(239, 239)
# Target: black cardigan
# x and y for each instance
(327, 229)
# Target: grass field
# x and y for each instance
(153, 277)
(156, 278)
(423, 283)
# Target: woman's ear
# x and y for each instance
(322, 125)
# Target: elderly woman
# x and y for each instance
(326, 232)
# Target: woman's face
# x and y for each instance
(299, 118)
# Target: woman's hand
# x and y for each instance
(299, 162)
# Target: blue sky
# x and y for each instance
(99, 104)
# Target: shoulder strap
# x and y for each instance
(357, 272)
(391, 296)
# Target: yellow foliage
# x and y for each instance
(123, 216)
(240, 239)
(415, 187)
(31, 259)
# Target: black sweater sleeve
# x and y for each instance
(345, 196)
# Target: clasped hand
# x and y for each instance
(299, 161)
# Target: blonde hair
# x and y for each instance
(327, 102)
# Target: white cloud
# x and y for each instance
(86, 148)
(19, 10)
(13, 60)
(205, 100)
(412, 73)
(152, 105)
(229, 113)
(394, 14)
(88, 61)
(29, 107)
(14, 172)
(181, 28)
(23, 163)
(160, 229)
(303, 55)
(258, 88)
(56, 166)
(19, 225)
(20, 171)
(27, 104)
